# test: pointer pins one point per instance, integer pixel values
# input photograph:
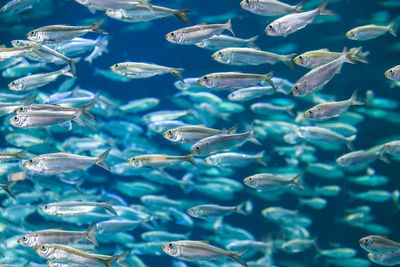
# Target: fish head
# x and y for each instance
(200, 148)
(136, 162)
(19, 120)
(342, 160)
(17, 85)
(211, 160)
(302, 60)
(49, 209)
(174, 37)
(173, 249)
(365, 243)
(250, 181)
(20, 43)
(207, 81)
(312, 113)
(273, 29)
(115, 13)
(35, 36)
(29, 240)
(221, 56)
(194, 212)
(45, 251)
(19, 110)
(172, 135)
(390, 74)
(352, 35)
(117, 68)
(34, 164)
(299, 88)
(234, 96)
(248, 4)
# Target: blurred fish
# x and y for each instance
(212, 210)
(368, 32)
(68, 208)
(393, 73)
(15, 7)
(377, 244)
(221, 41)
(158, 161)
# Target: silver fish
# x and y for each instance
(138, 70)
(266, 181)
(76, 207)
(371, 31)
(158, 160)
(228, 80)
(213, 210)
(377, 244)
(270, 7)
(393, 73)
(192, 133)
(222, 41)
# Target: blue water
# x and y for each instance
(147, 43)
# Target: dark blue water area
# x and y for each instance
(149, 45)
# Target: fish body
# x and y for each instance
(191, 133)
(137, 70)
(228, 80)
(220, 41)
(393, 73)
(266, 181)
(371, 31)
(68, 208)
(377, 244)
(270, 7)
(158, 160)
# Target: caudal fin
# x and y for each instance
(84, 111)
(6, 187)
(297, 180)
(119, 258)
(392, 28)
(268, 78)
(66, 72)
(181, 14)
(288, 60)
(236, 257)
(259, 158)
(228, 26)
(189, 158)
(95, 27)
(20, 154)
(72, 65)
(251, 136)
(321, 8)
(250, 41)
(100, 159)
(359, 55)
(90, 234)
(177, 72)
(245, 208)
(349, 141)
(353, 100)
(108, 206)
(299, 6)
(346, 56)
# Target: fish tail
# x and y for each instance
(354, 101)
(232, 129)
(299, 6)
(297, 180)
(6, 187)
(29, 100)
(146, 3)
(100, 159)
(358, 55)
(268, 78)
(392, 28)
(251, 136)
(259, 158)
(349, 141)
(66, 72)
(289, 110)
(382, 157)
(181, 14)
(95, 27)
(347, 56)
(321, 8)
(72, 65)
(244, 208)
(251, 41)
(228, 26)
(189, 158)
(177, 72)
(119, 258)
(288, 60)
(236, 257)
(90, 234)
(20, 154)
(187, 184)
(84, 110)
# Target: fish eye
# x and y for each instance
(31, 161)
(247, 1)
(170, 132)
(197, 148)
(250, 179)
(220, 53)
(172, 34)
(366, 241)
(170, 245)
(270, 27)
(205, 78)
(296, 88)
(117, 65)
(15, 118)
(391, 71)
(45, 207)
(310, 111)
(24, 238)
(43, 248)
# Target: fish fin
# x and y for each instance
(259, 158)
(251, 41)
(228, 26)
(299, 6)
(84, 110)
(244, 208)
(100, 159)
(347, 57)
(177, 72)
(235, 255)
(29, 101)
(296, 180)
(181, 14)
(392, 28)
(6, 187)
(90, 234)
(66, 72)
(289, 110)
(382, 157)
(95, 27)
(252, 138)
(349, 141)
(187, 184)
(119, 258)
(108, 206)
(72, 65)
(267, 77)
(232, 129)
(20, 154)
(358, 55)
(322, 10)
(189, 158)
(354, 101)
(26, 264)
(288, 60)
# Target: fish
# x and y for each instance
(4, 157)
(61, 162)
(377, 244)
(68, 208)
(158, 160)
(393, 73)
(192, 133)
(229, 80)
(137, 70)
(271, 7)
(293, 22)
(15, 7)
(104, 5)
(235, 160)
(199, 251)
(267, 181)
(360, 157)
(332, 109)
(220, 41)
(59, 33)
(386, 259)
(319, 76)
(11, 52)
(213, 210)
(57, 236)
(197, 33)
(323, 135)
(371, 31)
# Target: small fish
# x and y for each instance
(200, 251)
(11, 52)
(66, 254)
(159, 160)
(323, 135)
(38, 80)
(267, 181)
(250, 93)
(386, 259)
(293, 22)
(213, 210)
(69, 208)
(268, 108)
(220, 41)
(228, 80)
(141, 13)
(197, 33)
(332, 109)
(137, 70)
(316, 203)
(159, 236)
(192, 133)
(360, 157)
(319, 76)
(377, 244)
(56, 236)
(270, 7)
(235, 160)
(393, 73)
(59, 33)
(104, 5)
(242, 56)
(5, 157)
(222, 142)
(62, 162)
(15, 7)
(368, 32)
